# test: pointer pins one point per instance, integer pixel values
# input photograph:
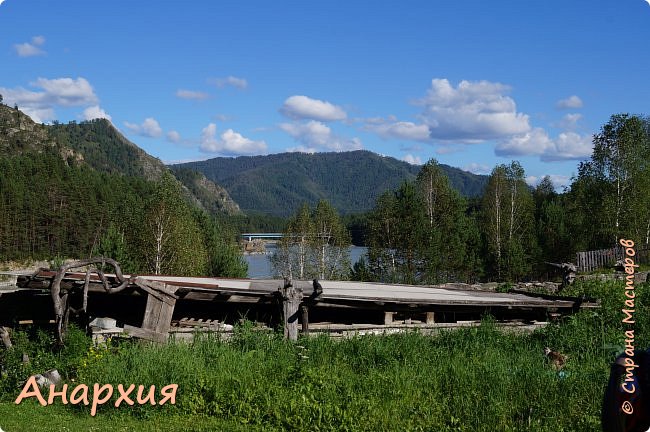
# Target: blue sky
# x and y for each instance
(470, 83)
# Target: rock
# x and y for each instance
(104, 323)
(48, 378)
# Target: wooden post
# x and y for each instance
(291, 299)
(304, 309)
(430, 318)
(388, 318)
(4, 335)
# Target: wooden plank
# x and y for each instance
(304, 309)
(151, 313)
(430, 318)
(388, 318)
(146, 334)
(164, 318)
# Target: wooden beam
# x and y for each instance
(146, 334)
(304, 309)
(291, 299)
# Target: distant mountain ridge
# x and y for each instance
(278, 184)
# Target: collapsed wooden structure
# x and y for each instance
(150, 306)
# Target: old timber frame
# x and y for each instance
(309, 306)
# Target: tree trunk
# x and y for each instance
(4, 336)
(291, 299)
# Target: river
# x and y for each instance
(259, 266)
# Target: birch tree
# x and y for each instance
(292, 258)
(614, 184)
(508, 222)
(331, 243)
(314, 245)
(442, 244)
(171, 240)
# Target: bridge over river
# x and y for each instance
(262, 236)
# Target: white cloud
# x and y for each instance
(148, 128)
(301, 149)
(315, 135)
(66, 91)
(232, 81)
(569, 121)
(30, 49)
(570, 145)
(535, 142)
(473, 111)
(398, 129)
(39, 105)
(229, 143)
(571, 102)
(95, 112)
(559, 181)
(191, 95)
(477, 168)
(303, 107)
(567, 146)
(413, 160)
(173, 136)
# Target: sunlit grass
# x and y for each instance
(470, 379)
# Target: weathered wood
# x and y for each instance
(291, 299)
(304, 309)
(61, 298)
(591, 260)
(4, 336)
(430, 318)
(146, 334)
(388, 318)
(160, 305)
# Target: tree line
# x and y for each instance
(49, 208)
(425, 232)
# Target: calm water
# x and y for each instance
(259, 266)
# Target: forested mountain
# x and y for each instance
(78, 190)
(105, 149)
(279, 184)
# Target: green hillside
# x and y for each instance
(278, 184)
(78, 190)
(105, 149)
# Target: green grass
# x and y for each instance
(473, 379)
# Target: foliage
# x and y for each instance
(508, 223)
(614, 185)
(48, 208)
(223, 254)
(213, 198)
(170, 241)
(471, 379)
(279, 184)
(422, 233)
(51, 209)
(314, 245)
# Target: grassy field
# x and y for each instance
(476, 379)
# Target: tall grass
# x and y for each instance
(471, 379)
